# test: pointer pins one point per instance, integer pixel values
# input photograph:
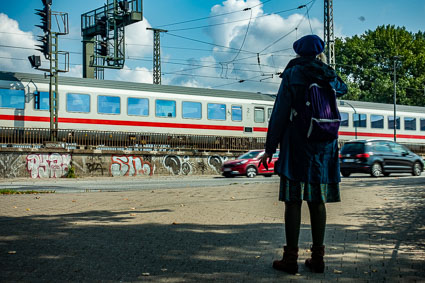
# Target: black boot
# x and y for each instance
(289, 260)
(316, 263)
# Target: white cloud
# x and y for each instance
(139, 41)
(12, 35)
(75, 71)
(263, 37)
(137, 75)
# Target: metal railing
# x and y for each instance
(108, 140)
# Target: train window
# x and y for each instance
(269, 113)
(259, 114)
(165, 108)
(41, 100)
(108, 104)
(376, 121)
(359, 120)
(77, 102)
(191, 110)
(410, 124)
(344, 119)
(138, 106)
(422, 124)
(12, 98)
(216, 111)
(391, 122)
(236, 113)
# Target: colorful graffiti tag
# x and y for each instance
(178, 165)
(129, 165)
(48, 165)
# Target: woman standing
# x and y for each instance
(308, 170)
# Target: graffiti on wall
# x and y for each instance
(129, 165)
(48, 165)
(10, 165)
(94, 164)
(178, 165)
(216, 162)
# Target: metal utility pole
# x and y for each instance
(342, 102)
(50, 49)
(156, 55)
(329, 37)
(395, 101)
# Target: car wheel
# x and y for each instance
(376, 170)
(416, 169)
(345, 173)
(251, 172)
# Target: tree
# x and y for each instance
(366, 62)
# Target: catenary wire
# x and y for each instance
(214, 16)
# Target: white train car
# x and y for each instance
(87, 104)
(367, 120)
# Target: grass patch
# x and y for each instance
(15, 192)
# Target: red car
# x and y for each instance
(248, 165)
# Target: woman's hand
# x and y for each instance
(264, 160)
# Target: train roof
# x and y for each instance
(109, 84)
(381, 106)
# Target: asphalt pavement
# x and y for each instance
(224, 233)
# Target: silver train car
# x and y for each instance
(87, 104)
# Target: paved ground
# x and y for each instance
(228, 234)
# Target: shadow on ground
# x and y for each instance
(102, 246)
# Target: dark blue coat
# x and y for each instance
(299, 158)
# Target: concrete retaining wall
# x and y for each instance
(48, 163)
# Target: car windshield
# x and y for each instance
(249, 155)
(353, 148)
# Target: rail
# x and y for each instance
(136, 141)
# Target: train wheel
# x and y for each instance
(416, 169)
(376, 170)
(251, 172)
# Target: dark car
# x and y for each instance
(248, 165)
(378, 157)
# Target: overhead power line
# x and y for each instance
(214, 16)
(164, 73)
(282, 37)
(209, 43)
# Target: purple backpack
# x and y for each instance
(316, 114)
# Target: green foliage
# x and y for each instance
(366, 62)
(71, 172)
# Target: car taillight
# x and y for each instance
(363, 155)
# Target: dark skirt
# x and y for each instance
(298, 191)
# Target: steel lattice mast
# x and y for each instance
(329, 37)
(156, 55)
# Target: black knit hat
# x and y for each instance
(309, 45)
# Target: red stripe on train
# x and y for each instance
(380, 135)
(185, 126)
(122, 123)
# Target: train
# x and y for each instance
(119, 106)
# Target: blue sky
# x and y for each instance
(192, 63)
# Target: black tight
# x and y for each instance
(293, 222)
